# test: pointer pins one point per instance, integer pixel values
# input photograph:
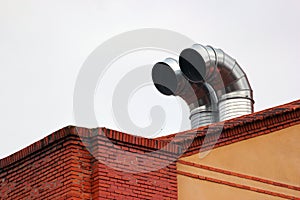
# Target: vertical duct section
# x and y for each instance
(233, 105)
(200, 97)
(208, 113)
(207, 64)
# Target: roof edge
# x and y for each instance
(187, 142)
(85, 133)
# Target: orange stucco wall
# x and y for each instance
(274, 157)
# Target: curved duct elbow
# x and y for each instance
(200, 97)
(207, 64)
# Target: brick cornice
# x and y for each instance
(87, 135)
(239, 129)
(185, 143)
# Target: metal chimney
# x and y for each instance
(200, 97)
(207, 64)
(211, 82)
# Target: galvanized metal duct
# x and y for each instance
(207, 64)
(200, 97)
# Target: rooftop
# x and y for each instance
(184, 143)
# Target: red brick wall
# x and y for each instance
(79, 163)
(61, 167)
(54, 172)
(122, 180)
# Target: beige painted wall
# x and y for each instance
(193, 189)
(275, 156)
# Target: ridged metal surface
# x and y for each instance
(232, 108)
(210, 81)
(207, 64)
(203, 116)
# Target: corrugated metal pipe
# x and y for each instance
(211, 82)
(200, 97)
(202, 64)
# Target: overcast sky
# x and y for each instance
(43, 45)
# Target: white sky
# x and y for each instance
(44, 43)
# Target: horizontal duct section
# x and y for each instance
(200, 97)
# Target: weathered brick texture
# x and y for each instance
(65, 165)
(80, 163)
